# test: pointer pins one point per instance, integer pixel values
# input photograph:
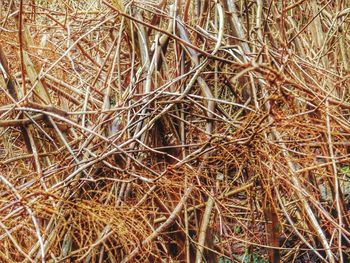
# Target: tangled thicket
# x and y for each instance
(174, 131)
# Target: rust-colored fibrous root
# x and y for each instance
(174, 131)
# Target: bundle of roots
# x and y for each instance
(174, 131)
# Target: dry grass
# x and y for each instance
(174, 131)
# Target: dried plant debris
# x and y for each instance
(174, 131)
